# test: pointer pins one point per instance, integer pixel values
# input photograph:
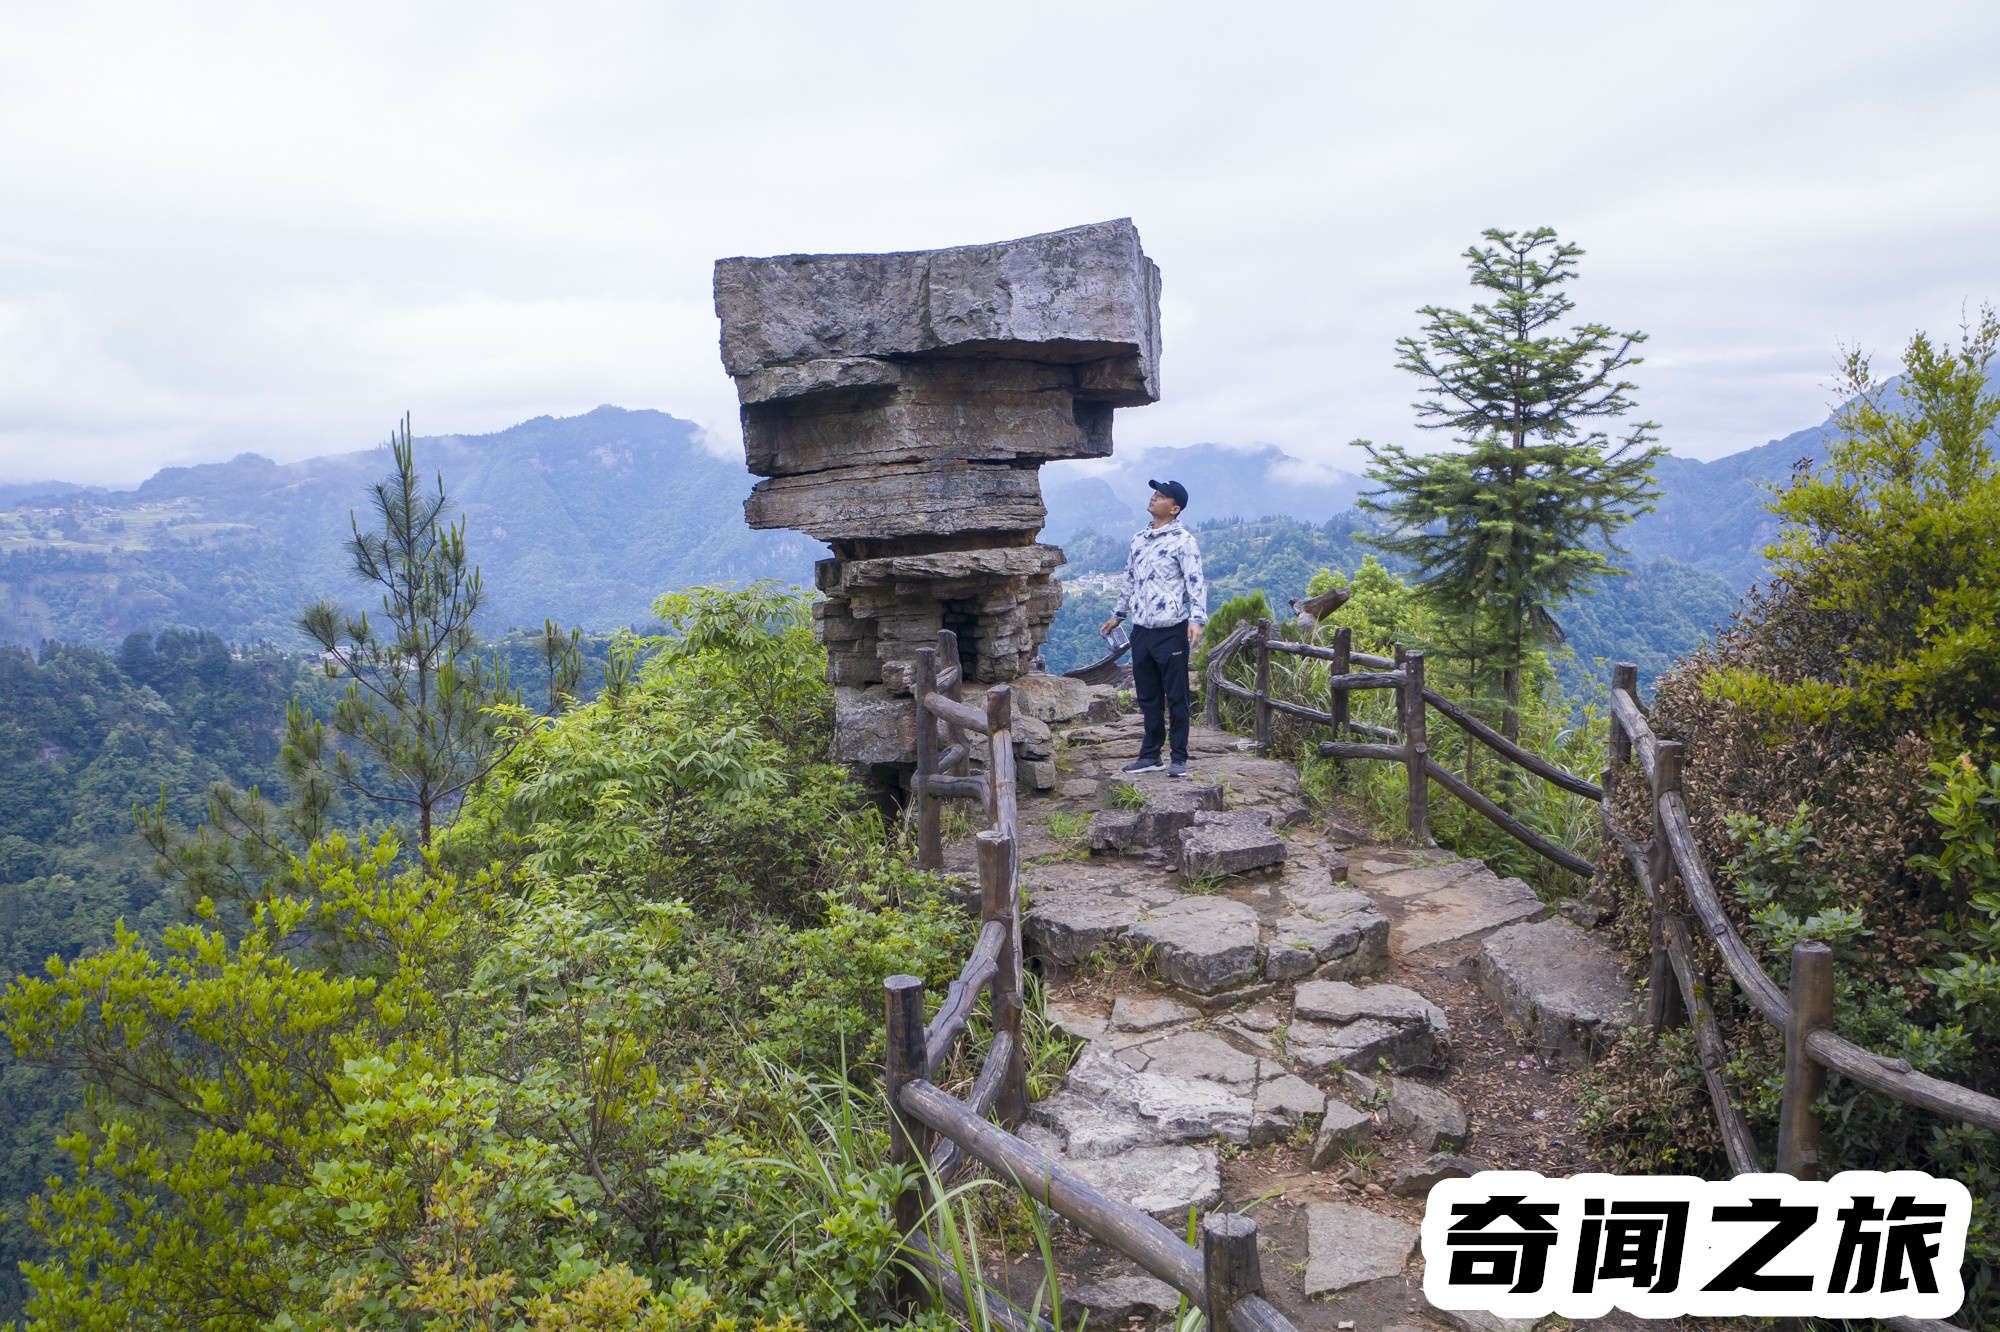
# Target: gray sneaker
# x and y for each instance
(1178, 768)
(1143, 764)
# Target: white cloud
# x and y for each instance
(279, 227)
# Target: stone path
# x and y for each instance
(1287, 1016)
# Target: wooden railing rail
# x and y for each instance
(1803, 1011)
(1669, 868)
(1407, 743)
(1777, 1005)
(928, 1124)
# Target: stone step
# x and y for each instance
(1564, 988)
(1229, 842)
(1347, 1245)
(1432, 898)
(1363, 1026)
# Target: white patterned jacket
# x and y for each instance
(1163, 583)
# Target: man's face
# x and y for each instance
(1162, 508)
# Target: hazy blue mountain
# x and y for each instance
(587, 518)
(1712, 515)
(584, 518)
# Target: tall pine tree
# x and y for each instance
(419, 704)
(1522, 515)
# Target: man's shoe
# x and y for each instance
(1144, 764)
(1178, 768)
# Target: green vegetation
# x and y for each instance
(1383, 612)
(554, 1078)
(1842, 736)
(1650, 615)
(1517, 523)
(419, 703)
(85, 737)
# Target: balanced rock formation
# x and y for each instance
(899, 406)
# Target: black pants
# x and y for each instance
(1160, 682)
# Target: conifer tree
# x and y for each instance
(419, 699)
(1522, 515)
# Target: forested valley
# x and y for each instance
(420, 981)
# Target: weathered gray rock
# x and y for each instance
(1289, 1096)
(1135, 1012)
(1229, 843)
(1362, 1026)
(897, 404)
(1418, 1179)
(1194, 1054)
(1083, 296)
(1040, 774)
(871, 725)
(1564, 987)
(1433, 1118)
(1342, 1132)
(1336, 933)
(1033, 739)
(1167, 811)
(1054, 700)
(1169, 1109)
(1347, 1245)
(1116, 1300)
(904, 499)
(1367, 1091)
(1114, 829)
(1367, 1043)
(1162, 1182)
(1067, 927)
(1079, 788)
(1074, 1021)
(1083, 1129)
(1439, 903)
(1340, 1001)
(1203, 944)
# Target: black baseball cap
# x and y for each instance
(1173, 490)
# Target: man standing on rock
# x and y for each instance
(1168, 602)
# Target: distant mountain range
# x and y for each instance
(586, 519)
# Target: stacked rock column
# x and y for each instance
(899, 406)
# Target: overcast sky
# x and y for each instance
(277, 227)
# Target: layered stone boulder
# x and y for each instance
(898, 407)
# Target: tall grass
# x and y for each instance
(829, 1141)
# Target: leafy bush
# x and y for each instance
(1842, 773)
(565, 1072)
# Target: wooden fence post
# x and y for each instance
(1811, 1008)
(999, 731)
(1665, 1006)
(1625, 677)
(1263, 686)
(930, 845)
(902, 1064)
(1229, 1264)
(1416, 749)
(948, 659)
(997, 901)
(1336, 697)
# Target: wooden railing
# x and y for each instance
(1671, 858)
(928, 1124)
(1668, 859)
(1407, 744)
